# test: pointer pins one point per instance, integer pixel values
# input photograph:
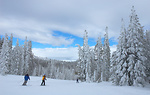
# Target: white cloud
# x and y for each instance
(38, 18)
(70, 54)
(35, 31)
(57, 53)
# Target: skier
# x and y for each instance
(43, 80)
(77, 80)
(26, 78)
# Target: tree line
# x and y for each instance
(20, 60)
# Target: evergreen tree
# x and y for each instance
(136, 51)
(131, 54)
(81, 64)
(16, 59)
(5, 57)
(24, 56)
(106, 58)
(119, 60)
(85, 62)
(98, 59)
(86, 58)
(29, 58)
(10, 50)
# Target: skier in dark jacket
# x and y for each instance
(77, 80)
(26, 78)
(43, 80)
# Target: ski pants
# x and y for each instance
(25, 82)
(43, 81)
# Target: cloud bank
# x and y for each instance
(67, 54)
(38, 19)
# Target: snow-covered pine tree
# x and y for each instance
(24, 54)
(29, 59)
(81, 64)
(136, 51)
(106, 57)
(10, 45)
(16, 59)
(5, 57)
(119, 62)
(86, 52)
(84, 64)
(98, 59)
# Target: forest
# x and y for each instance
(128, 65)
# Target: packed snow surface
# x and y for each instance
(12, 85)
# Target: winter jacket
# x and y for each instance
(26, 77)
(44, 77)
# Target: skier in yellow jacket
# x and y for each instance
(43, 80)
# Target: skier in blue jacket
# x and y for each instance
(26, 78)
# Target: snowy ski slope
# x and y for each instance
(12, 85)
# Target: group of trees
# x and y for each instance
(17, 60)
(130, 62)
(20, 60)
(128, 65)
(94, 63)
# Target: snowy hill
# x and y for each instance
(12, 85)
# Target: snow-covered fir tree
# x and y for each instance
(119, 60)
(24, 56)
(81, 64)
(84, 60)
(136, 51)
(29, 58)
(98, 59)
(5, 57)
(131, 54)
(106, 58)
(16, 59)
(10, 50)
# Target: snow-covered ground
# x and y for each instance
(12, 85)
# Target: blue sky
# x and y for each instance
(77, 40)
(56, 26)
